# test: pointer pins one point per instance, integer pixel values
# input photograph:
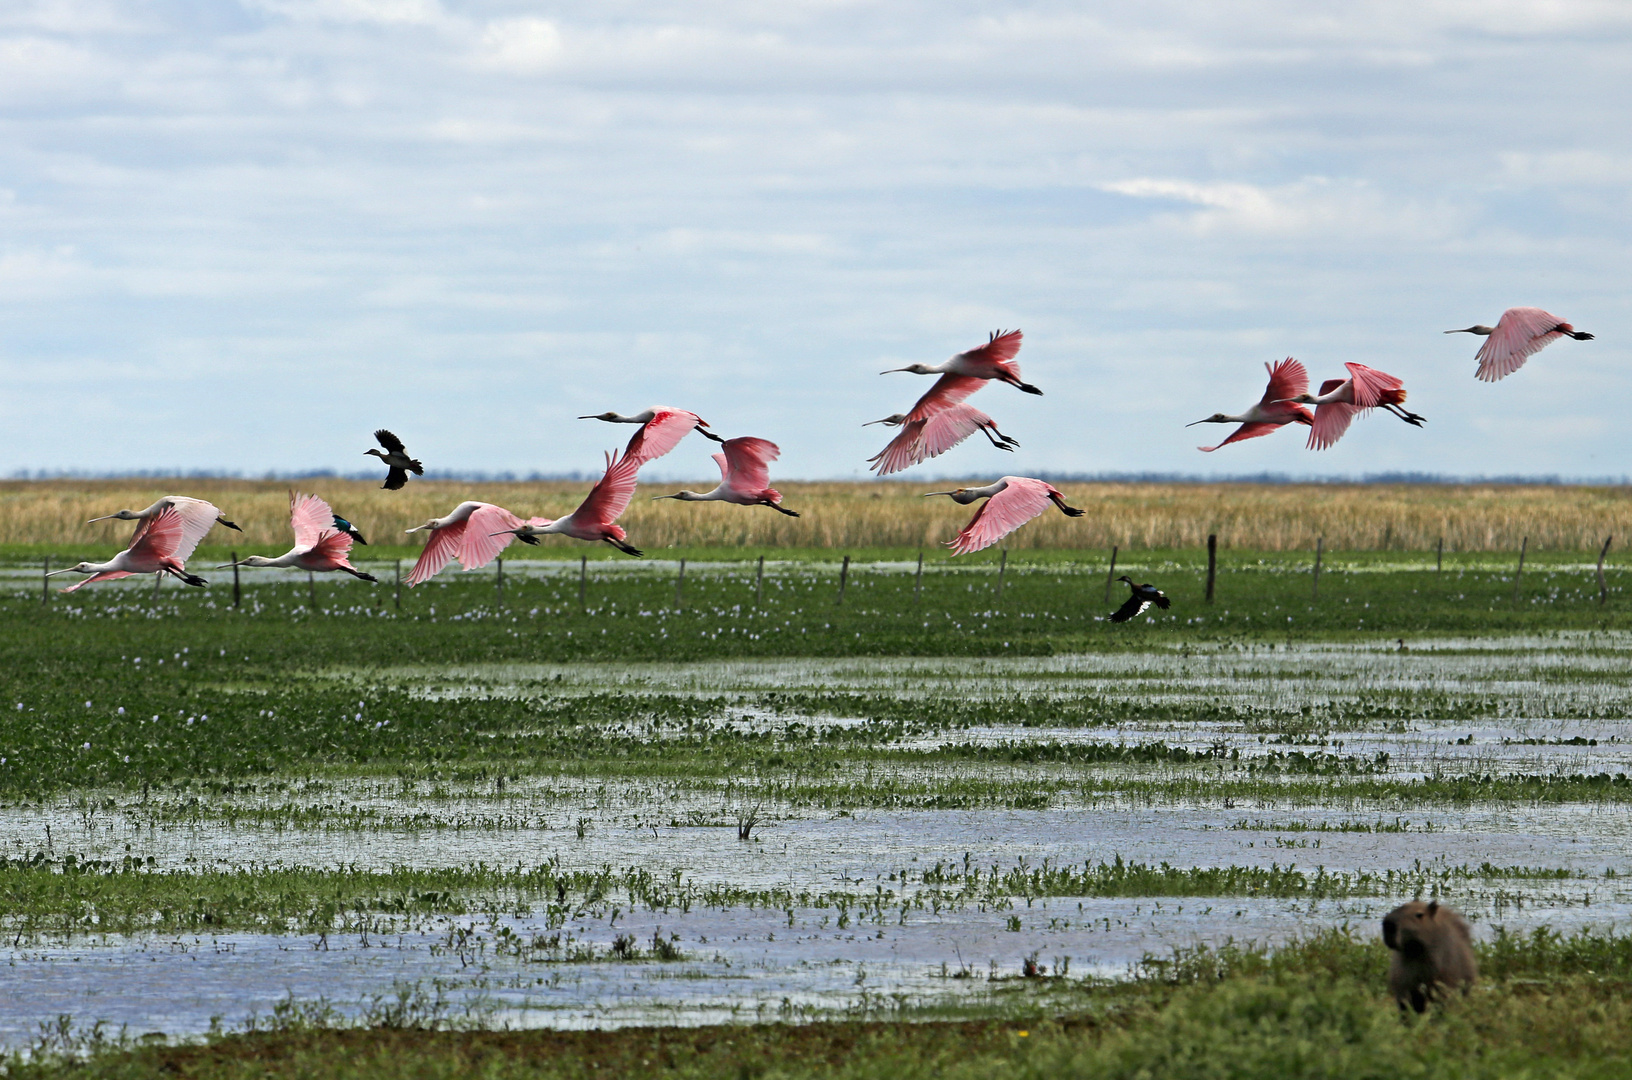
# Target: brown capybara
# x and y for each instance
(1432, 952)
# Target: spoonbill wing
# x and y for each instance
(1001, 350)
(164, 536)
(311, 518)
(745, 464)
(660, 434)
(1245, 431)
(1371, 385)
(1520, 333)
(1287, 379)
(1332, 419)
(1021, 499)
(197, 519)
(443, 545)
(947, 390)
(610, 496)
(480, 545)
(105, 575)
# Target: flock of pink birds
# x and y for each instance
(475, 533)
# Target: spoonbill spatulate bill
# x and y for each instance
(661, 429)
(1275, 409)
(596, 518)
(745, 477)
(934, 432)
(395, 456)
(1341, 400)
(156, 549)
(319, 546)
(1136, 605)
(1518, 335)
(1010, 503)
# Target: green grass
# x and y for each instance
(1547, 1006)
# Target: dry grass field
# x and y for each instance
(1264, 517)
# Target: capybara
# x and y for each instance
(1432, 952)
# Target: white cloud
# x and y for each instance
(525, 45)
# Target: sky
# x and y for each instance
(238, 235)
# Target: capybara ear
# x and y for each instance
(1433, 908)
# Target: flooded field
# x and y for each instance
(891, 842)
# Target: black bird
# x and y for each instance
(349, 529)
(396, 456)
(1143, 596)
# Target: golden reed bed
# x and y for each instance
(1266, 517)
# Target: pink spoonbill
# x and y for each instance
(470, 532)
(1010, 503)
(596, 517)
(745, 477)
(160, 546)
(662, 428)
(197, 516)
(1519, 334)
(319, 545)
(1287, 380)
(931, 430)
(1341, 400)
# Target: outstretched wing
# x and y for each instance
(105, 575)
(1021, 499)
(1370, 385)
(332, 546)
(197, 519)
(747, 466)
(901, 452)
(948, 428)
(480, 544)
(311, 518)
(395, 478)
(390, 441)
(1000, 350)
(1331, 421)
(1287, 379)
(610, 496)
(439, 550)
(165, 535)
(1245, 431)
(1134, 606)
(660, 434)
(947, 390)
(1520, 333)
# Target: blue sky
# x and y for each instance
(240, 236)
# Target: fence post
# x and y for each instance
(45, 582)
(499, 578)
(237, 590)
(1603, 587)
(1520, 572)
(844, 576)
(1320, 546)
(158, 579)
(759, 583)
(918, 582)
(1212, 563)
(399, 584)
(1439, 556)
(1002, 568)
(679, 584)
(583, 578)
(1110, 575)
(311, 589)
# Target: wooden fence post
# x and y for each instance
(45, 582)
(1314, 590)
(399, 584)
(1212, 563)
(583, 578)
(1110, 575)
(844, 576)
(1439, 556)
(311, 588)
(759, 583)
(1603, 587)
(1520, 572)
(498, 583)
(237, 589)
(679, 585)
(1002, 568)
(918, 582)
